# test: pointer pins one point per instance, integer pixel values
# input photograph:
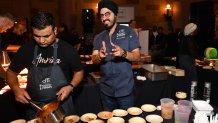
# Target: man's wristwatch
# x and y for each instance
(124, 54)
(70, 84)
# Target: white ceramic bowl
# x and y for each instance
(153, 118)
(137, 120)
(18, 121)
(181, 95)
(71, 119)
(148, 107)
(134, 111)
(105, 115)
(119, 112)
(116, 120)
(96, 121)
(88, 117)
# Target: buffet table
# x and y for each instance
(87, 97)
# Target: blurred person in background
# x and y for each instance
(66, 35)
(17, 35)
(54, 68)
(188, 52)
(133, 24)
(114, 49)
(6, 22)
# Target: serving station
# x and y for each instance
(160, 81)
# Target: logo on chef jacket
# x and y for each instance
(121, 34)
(46, 84)
(41, 60)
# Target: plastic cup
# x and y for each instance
(181, 116)
(167, 105)
(185, 105)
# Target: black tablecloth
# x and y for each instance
(210, 75)
(87, 98)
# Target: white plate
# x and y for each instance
(153, 118)
(134, 111)
(148, 108)
(105, 115)
(137, 120)
(119, 112)
(88, 117)
(71, 119)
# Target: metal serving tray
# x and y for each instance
(155, 72)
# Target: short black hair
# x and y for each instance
(42, 19)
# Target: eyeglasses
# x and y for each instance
(107, 15)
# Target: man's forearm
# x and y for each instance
(77, 78)
(12, 79)
(133, 56)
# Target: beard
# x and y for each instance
(110, 24)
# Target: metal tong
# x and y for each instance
(31, 102)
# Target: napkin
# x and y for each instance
(200, 117)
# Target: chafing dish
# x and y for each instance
(155, 72)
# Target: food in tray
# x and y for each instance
(207, 67)
(148, 107)
(71, 119)
(134, 111)
(153, 118)
(181, 95)
(119, 112)
(105, 115)
(82, 56)
(169, 67)
(210, 53)
(137, 120)
(88, 117)
(87, 56)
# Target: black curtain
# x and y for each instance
(202, 13)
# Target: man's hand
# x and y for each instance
(102, 52)
(98, 55)
(21, 95)
(116, 50)
(64, 92)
